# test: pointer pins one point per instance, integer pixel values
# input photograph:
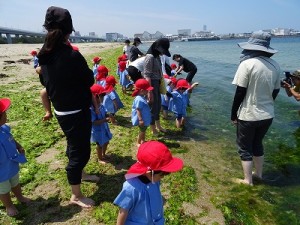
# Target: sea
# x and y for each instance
(217, 62)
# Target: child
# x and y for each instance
(173, 69)
(102, 73)
(140, 200)
(112, 101)
(35, 59)
(96, 61)
(179, 100)
(11, 154)
(171, 83)
(125, 82)
(100, 131)
(141, 114)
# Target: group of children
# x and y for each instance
(143, 178)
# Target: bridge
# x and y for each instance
(17, 33)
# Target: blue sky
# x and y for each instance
(136, 16)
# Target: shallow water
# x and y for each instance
(211, 101)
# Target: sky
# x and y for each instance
(136, 16)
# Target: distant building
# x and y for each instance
(184, 32)
(203, 34)
(281, 31)
(157, 35)
(146, 36)
(112, 37)
(92, 34)
(204, 27)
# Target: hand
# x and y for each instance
(234, 122)
(141, 123)
(150, 97)
(285, 85)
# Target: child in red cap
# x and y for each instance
(179, 100)
(102, 73)
(140, 113)
(125, 81)
(140, 200)
(96, 61)
(100, 130)
(11, 154)
(112, 101)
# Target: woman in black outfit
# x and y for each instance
(68, 79)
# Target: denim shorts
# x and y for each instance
(5, 186)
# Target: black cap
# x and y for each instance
(162, 45)
(127, 41)
(57, 17)
(137, 40)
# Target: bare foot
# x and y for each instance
(102, 161)
(242, 181)
(92, 178)
(47, 116)
(83, 202)
(24, 199)
(12, 211)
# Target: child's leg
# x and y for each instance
(142, 135)
(104, 148)
(18, 193)
(182, 122)
(47, 104)
(100, 154)
(11, 210)
(124, 89)
(177, 122)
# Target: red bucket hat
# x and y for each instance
(97, 59)
(182, 83)
(173, 66)
(141, 84)
(97, 89)
(102, 69)
(122, 58)
(33, 52)
(154, 155)
(111, 80)
(4, 104)
(122, 65)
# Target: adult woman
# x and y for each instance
(68, 79)
(153, 74)
(134, 51)
(258, 82)
(185, 65)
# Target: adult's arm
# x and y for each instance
(239, 96)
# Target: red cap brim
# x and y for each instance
(4, 104)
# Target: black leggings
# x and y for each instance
(191, 75)
(77, 128)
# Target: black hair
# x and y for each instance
(54, 38)
(176, 56)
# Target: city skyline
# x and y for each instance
(232, 16)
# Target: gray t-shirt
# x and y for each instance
(152, 67)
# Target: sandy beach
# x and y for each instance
(16, 61)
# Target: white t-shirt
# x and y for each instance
(138, 63)
(260, 75)
(126, 50)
